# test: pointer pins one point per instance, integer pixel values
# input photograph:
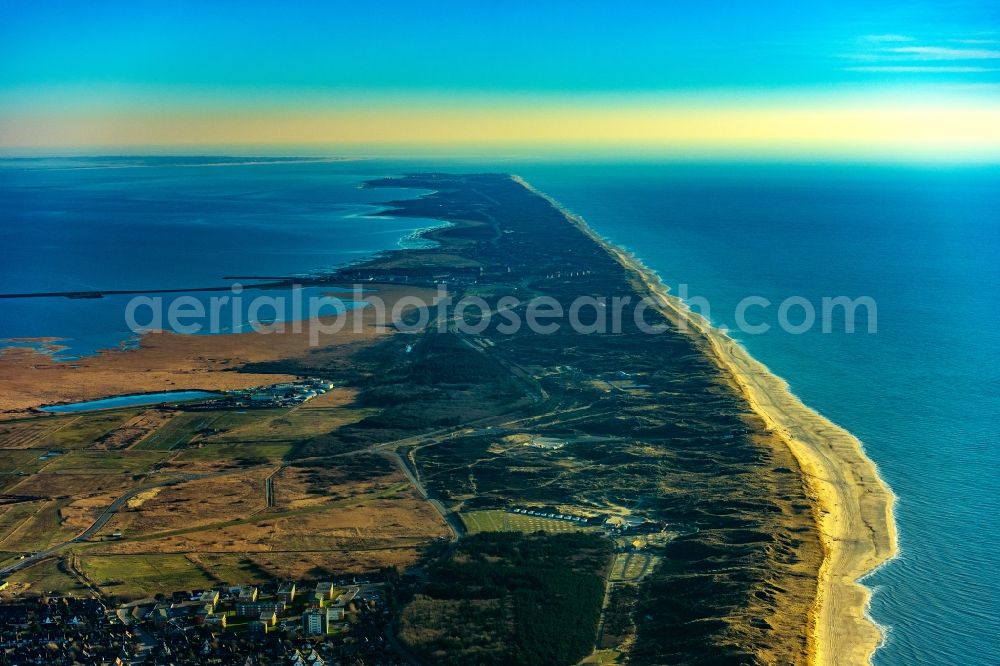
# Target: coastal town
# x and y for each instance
(348, 620)
(342, 622)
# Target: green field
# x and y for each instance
(28, 432)
(144, 575)
(232, 568)
(82, 431)
(13, 461)
(39, 529)
(184, 427)
(178, 431)
(495, 520)
(50, 576)
(16, 514)
(61, 432)
(100, 462)
(291, 425)
(272, 451)
(8, 558)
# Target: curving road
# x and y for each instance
(101, 521)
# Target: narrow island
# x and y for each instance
(479, 494)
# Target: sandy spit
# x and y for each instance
(852, 504)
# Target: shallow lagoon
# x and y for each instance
(134, 400)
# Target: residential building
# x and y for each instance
(248, 593)
(218, 620)
(252, 608)
(287, 592)
(314, 622)
(209, 597)
(326, 589)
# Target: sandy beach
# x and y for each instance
(852, 504)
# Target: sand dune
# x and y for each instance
(852, 504)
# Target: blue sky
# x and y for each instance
(497, 46)
(122, 56)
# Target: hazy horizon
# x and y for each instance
(912, 81)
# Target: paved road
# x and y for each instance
(531, 386)
(269, 487)
(521, 376)
(601, 618)
(454, 522)
(95, 527)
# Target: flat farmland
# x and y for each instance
(41, 529)
(290, 425)
(71, 485)
(12, 516)
(26, 433)
(135, 429)
(133, 576)
(355, 525)
(298, 486)
(15, 462)
(46, 577)
(212, 524)
(61, 432)
(107, 462)
(297, 565)
(81, 513)
(144, 575)
(189, 426)
(213, 454)
(192, 504)
(379, 522)
(375, 519)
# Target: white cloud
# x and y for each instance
(921, 69)
(888, 38)
(944, 53)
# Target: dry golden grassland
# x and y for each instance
(167, 362)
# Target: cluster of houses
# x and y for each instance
(63, 630)
(614, 525)
(550, 514)
(282, 395)
(545, 443)
(343, 622)
(287, 394)
(322, 611)
(327, 608)
(275, 623)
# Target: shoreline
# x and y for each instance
(852, 505)
(167, 361)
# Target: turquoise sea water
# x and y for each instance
(922, 393)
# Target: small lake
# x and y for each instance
(134, 400)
